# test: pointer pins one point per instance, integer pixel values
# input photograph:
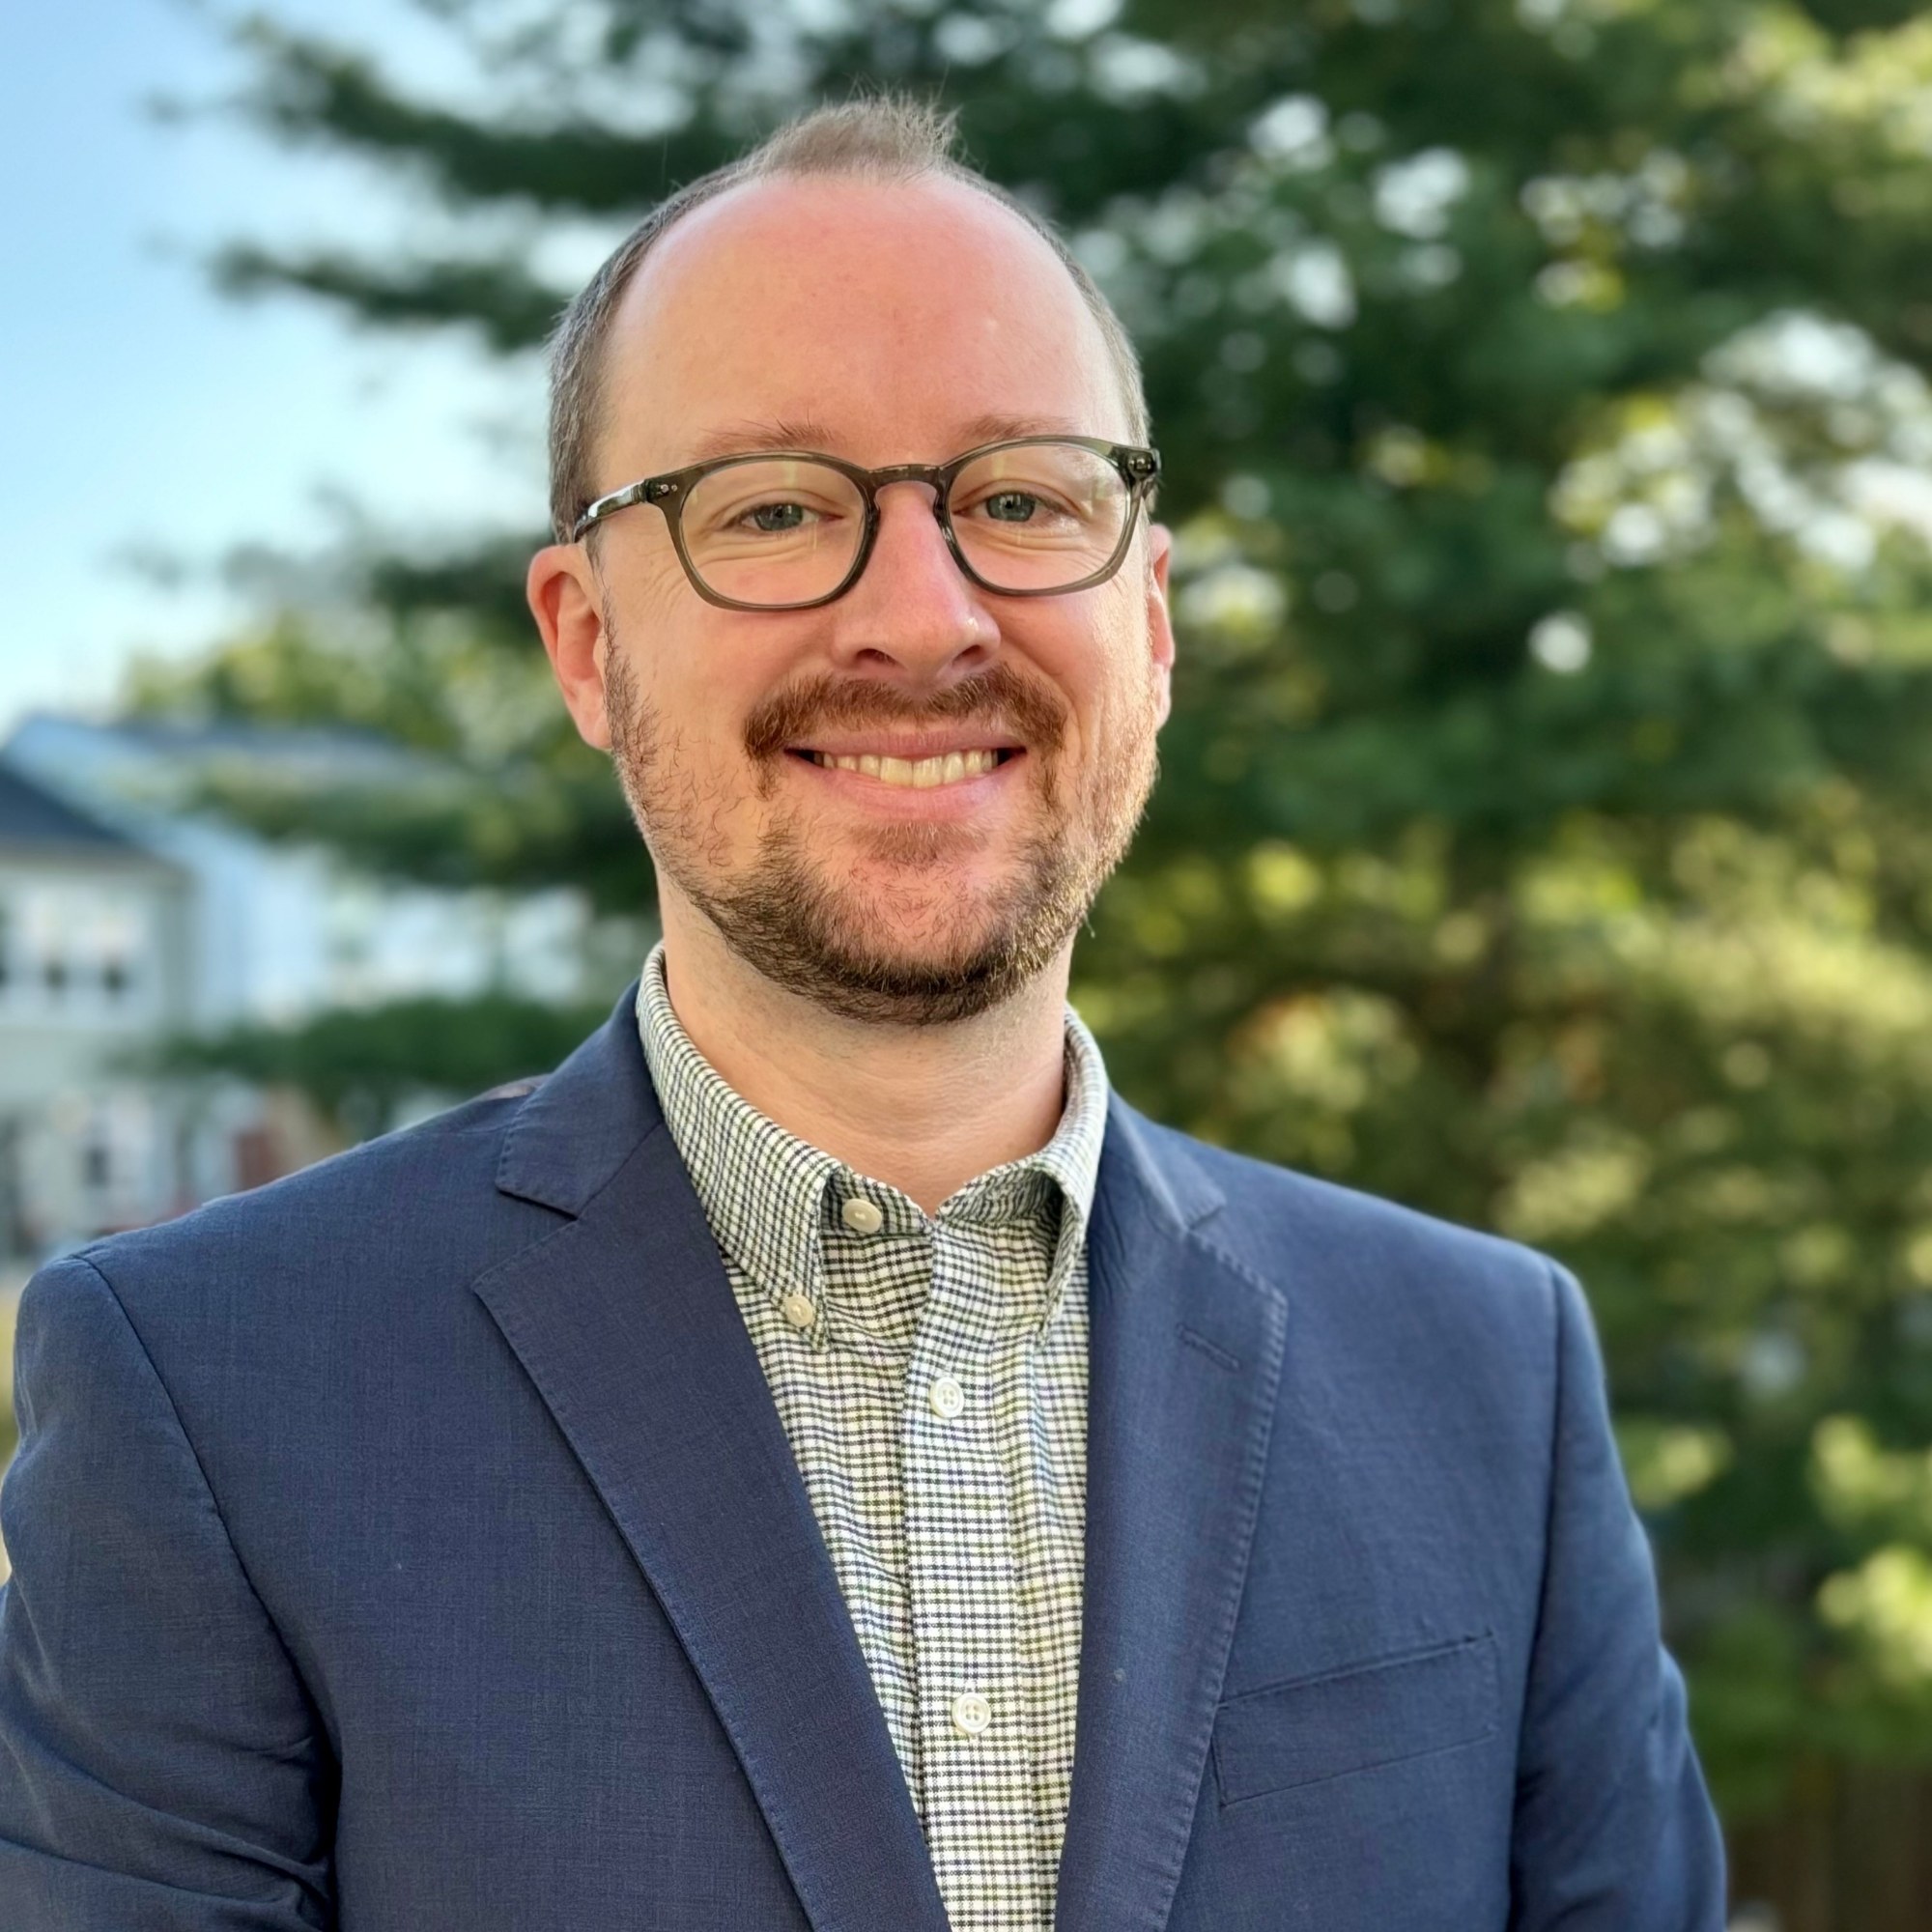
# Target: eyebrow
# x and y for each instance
(737, 438)
(1005, 428)
(779, 432)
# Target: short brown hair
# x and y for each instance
(890, 138)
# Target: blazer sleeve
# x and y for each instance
(1614, 1828)
(161, 1766)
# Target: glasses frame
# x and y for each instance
(1139, 468)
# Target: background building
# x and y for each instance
(130, 915)
(95, 957)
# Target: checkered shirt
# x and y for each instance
(931, 1375)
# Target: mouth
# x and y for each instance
(941, 768)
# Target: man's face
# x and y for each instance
(882, 324)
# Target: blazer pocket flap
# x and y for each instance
(1355, 1719)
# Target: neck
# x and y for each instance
(925, 1109)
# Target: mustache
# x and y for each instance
(998, 696)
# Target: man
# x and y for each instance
(819, 1458)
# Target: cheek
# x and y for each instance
(1109, 672)
(698, 691)
(658, 623)
(662, 587)
(647, 595)
(702, 732)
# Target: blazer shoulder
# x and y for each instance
(1268, 1213)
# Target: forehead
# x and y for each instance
(891, 315)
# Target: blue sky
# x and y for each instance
(144, 415)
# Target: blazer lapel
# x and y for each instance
(624, 1321)
(1186, 1359)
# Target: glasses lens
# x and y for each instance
(1039, 516)
(773, 529)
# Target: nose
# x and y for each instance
(912, 609)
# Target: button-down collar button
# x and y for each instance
(861, 1216)
(972, 1713)
(800, 1310)
(947, 1396)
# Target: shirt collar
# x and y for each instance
(770, 1195)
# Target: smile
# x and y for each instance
(921, 774)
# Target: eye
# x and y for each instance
(1012, 506)
(775, 518)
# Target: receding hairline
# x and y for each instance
(676, 234)
(891, 143)
(685, 249)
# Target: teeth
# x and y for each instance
(947, 768)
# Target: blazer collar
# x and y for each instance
(626, 1324)
(578, 1124)
(1185, 1346)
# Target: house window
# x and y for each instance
(42, 953)
(115, 938)
(78, 946)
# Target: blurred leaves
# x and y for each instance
(360, 1067)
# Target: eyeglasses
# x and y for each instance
(784, 530)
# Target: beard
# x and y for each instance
(794, 918)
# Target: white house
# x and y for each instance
(282, 932)
(93, 959)
(127, 913)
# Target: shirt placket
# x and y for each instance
(962, 1566)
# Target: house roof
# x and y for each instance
(130, 772)
(31, 816)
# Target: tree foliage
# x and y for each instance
(1543, 836)
(360, 1065)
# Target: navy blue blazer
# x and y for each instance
(413, 1544)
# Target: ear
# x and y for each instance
(565, 601)
(1160, 628)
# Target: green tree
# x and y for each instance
(1544, 836)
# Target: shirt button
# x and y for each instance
(861, 1216)
(972, 1713)
(800, 1310)
(947, 1396)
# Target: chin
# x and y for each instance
(884, 939)
(897, 943)
(867, 964)
(911, 907)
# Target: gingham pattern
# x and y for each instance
(958, 1542)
